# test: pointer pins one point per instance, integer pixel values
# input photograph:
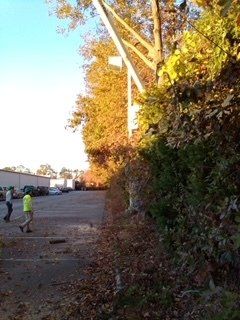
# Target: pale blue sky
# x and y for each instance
(40, 77)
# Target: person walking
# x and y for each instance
(28, 211)
(9, 196)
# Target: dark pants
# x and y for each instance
(10, 210)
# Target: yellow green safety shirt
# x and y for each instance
(27, 203)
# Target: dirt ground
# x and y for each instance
(33, 272)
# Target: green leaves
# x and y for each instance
(226, 4)
(207, 45)
(194, 153)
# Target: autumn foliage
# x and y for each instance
(188, 152)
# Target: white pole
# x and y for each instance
(129, 104)
(119, 44)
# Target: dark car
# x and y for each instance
(2, 193)
(69, 188)
(64, 189)
(34, 191)
(43, 191)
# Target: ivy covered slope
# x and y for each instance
(192, 145)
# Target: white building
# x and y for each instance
(19, 179)
(63, 183)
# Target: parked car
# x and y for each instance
(18, 193)
(43, 191)
(54, 191)
(34, 190)
(64, 189)
(2, 194)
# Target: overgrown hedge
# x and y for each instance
(194, 157)
(193, 152)
(192, 145)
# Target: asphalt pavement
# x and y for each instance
(34, 266)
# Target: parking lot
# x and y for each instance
(34, 267)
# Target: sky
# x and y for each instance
(40, 78)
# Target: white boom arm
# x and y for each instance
(107, 20)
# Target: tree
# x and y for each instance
(148, 34)
(47, 170)
(9, 168)
(77, 174)
(103, 110)
(66, 173)
(22, 169)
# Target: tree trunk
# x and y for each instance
(157, 33)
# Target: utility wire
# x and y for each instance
(205, 36)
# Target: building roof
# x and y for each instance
(28, 174)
